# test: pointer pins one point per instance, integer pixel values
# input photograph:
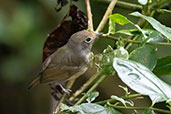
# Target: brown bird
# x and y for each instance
(69, 60)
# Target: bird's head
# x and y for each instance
(83, 40)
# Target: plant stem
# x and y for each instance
(91, 89)
(138, 42)
(125, 5)
(106, 15)
(113, 100)
(140, 108)
(89, 14)
(85, 86)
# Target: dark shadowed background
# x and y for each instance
(24, 26)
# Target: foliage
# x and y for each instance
(134, 68)
(139, 69)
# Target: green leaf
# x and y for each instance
(124, 102)
(143, 2)
(119, 19)
(163, 66)
(89, 108)
(109, 110)
(142, 80)
(153, 35)
(166, 31)
(92, 96)
(145, 55)
(106, 61)
(84, 108)
(122, 20)
(112, 25)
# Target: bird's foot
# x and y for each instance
(67, 91)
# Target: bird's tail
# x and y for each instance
(34, 83)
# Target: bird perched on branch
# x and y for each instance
(68, 61)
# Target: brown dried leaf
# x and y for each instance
(62, 33)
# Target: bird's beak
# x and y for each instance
(98, 34)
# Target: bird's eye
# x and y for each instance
(88, 40)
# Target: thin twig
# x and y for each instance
(84, 87)
(124, 97)
(139, 42)
(89, 14)
(140, 108)
(125, 5)
(106, 15)
(91, 89)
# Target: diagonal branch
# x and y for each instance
(89, 14)
(106, 15)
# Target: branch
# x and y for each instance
(125, 5)
(124, 97)
(138, 42)
(89, 14)
(85, 86)
(106, 15)
(91, 89)
(140, 108)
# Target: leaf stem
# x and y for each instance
(106, 15)
(139, 108)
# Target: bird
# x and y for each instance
(67, 61)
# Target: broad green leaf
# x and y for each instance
(142, 80)
(143, 2)
(112, 25)
(154, 36)
(89, 108)
(84, 108)
(166, 31)
(105, 64)
(119, 19)
(122, 20)
(92, 96)
(163, 66)
(124, 102)
(145, 55)
(109, 110)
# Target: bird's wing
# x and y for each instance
(48, 61)
(60, 74)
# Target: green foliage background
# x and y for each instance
(24, 26)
